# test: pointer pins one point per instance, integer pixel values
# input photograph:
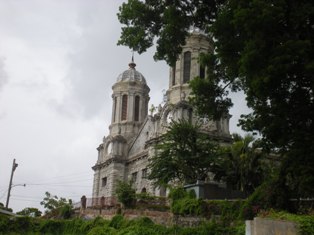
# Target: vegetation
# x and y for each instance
(57, 207)
(243, 166)
(264, 48)
(125, 194)
(4, 208)
(117, 226)
(30, 211)
(184, 154)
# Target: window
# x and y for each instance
(144, 173)
(134, 177)
(174, 75)
(137, 109)
(124, 107)
(202, 72)
(104, 181)
(115, 109)
(186, 66)
(109, 148)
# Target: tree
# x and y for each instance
(264, 48)
(57, 207)
(184, 153)
(2, 207)
(30, 211)
(125, 193)
(243, 165)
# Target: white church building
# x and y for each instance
(123, 155)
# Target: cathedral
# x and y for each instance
(124, 154)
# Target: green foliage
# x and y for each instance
(228, 211)
(30, 211)
(52, 226)
(97, 222)
(125, 193)
(184, 153)
(271, 194)
(140, 226)
(264, 48)
(177, 193)
(185, 203)
(243, 165)
(117, 221)
(188, 206)
(57, 207)
(102, 231)
(4, 208)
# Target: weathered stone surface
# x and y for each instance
(263, 226)
(125, 152)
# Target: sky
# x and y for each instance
(58, 62)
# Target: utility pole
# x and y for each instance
(14, 166)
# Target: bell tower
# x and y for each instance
(130, 103)
(187, 67)
(129, 110)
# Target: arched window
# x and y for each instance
(137, 108)
(186, 66)
(115, 109)
(124, 107)
(174, 75)
(202, 71)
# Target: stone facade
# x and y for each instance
(124, 153)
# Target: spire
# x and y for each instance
(132, 64)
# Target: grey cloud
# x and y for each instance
(3, 74)
(95, 62)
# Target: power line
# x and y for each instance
(57, 182)
(27, 200)
(67, 176)
(61, 185)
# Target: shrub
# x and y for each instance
(125, 194)
(271, 194)
(102, 230)
(177, 193)
(187, 206)
(117, 221)
(4, 224)
(52, 226)
(88, 225)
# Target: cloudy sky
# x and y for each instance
(58, 61)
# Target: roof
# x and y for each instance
(131, 75)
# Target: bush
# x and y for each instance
(88, 225)
(187, 206)
(4, 224)
(102, 231)
(125, 194)
(52, 226)
(271, 194)
(117, 221)
(66, 211)
(177, 193)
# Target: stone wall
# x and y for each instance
(262, 226)
(165, 218)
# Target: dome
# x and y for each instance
(131, 75)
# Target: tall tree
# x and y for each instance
(57, 207)
(30, 211)
(184, 153)
(263, 47)
(243, 165)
